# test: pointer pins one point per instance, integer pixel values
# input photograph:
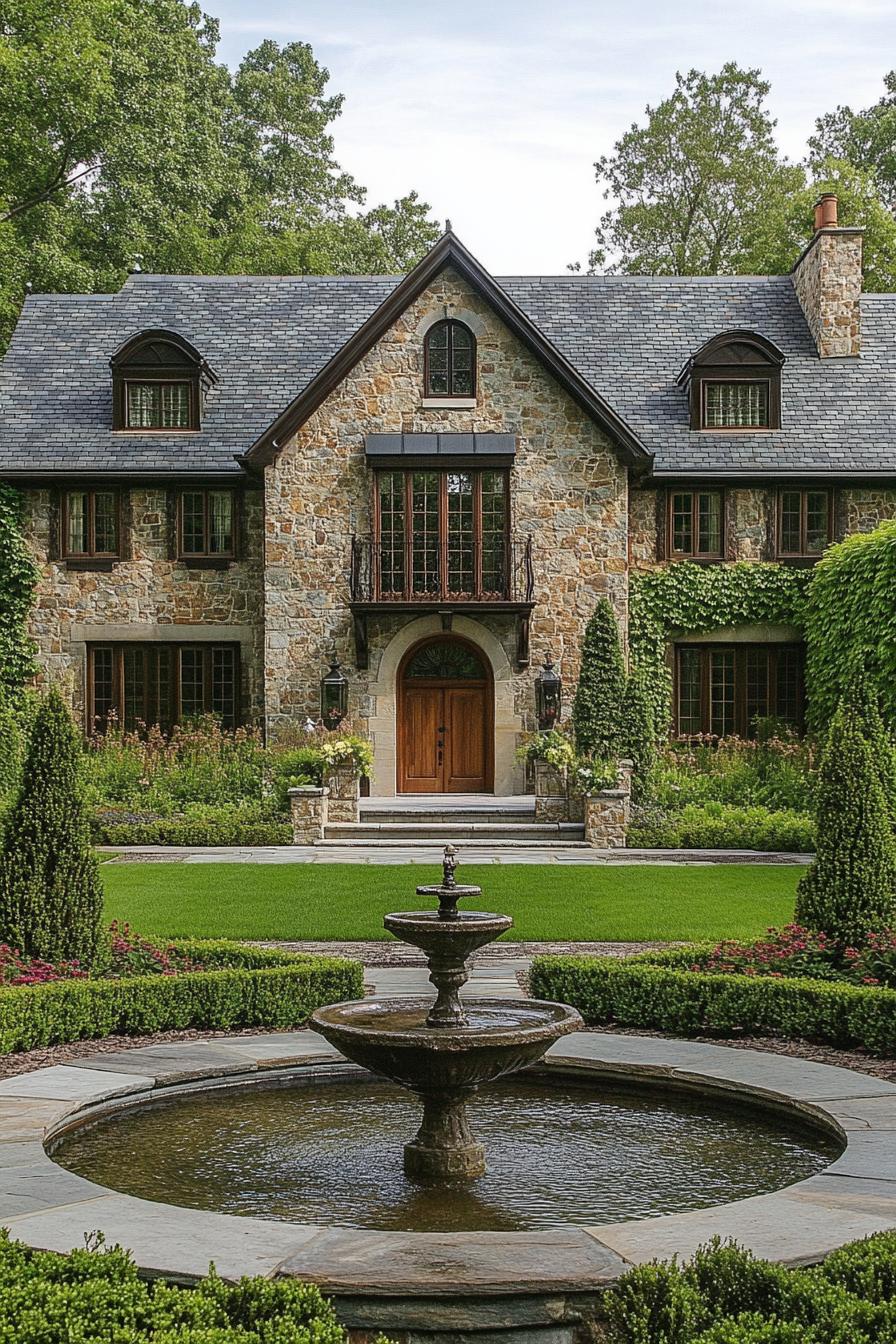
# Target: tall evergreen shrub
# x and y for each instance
(18, 580)
(848, 892)
(597, 705)
(51, 899)
(863, 694)
(637, 739)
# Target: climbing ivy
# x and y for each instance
(851, 623)
(693, 599)
(18, 580)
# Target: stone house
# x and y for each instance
(232, 481)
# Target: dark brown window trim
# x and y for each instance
(451, 323)
(749, 373)
(91, 558)
(442, 472)
(700, 557)
(739, 650)
(207, 559)
(802, 556)
(150, 649)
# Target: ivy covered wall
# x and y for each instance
(18, 580)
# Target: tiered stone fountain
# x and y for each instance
(444, 1050)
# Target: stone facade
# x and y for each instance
(146, 596)
(607, 814)
(309, 812)
(828, 283)
(568, 491)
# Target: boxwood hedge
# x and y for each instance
(657, 991)
(239, 987)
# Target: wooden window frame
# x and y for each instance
(695, 493)
(742, 726)
(206, 557)
(736, 376)
(442, 472)
(451, 323)
(804, 492)
(91, 554)
(169, 379)
(150, 649)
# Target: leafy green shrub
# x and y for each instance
(718, 826)
(51, 898)
(241, 824)
(863, 695)
(661, 993)
(96, 1296)
(849, 890)
(637, 736)
(19, 577)
(239, 987)
(597, 705)
(851, 623)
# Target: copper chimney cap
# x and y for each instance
(826, 211)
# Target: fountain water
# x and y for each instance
(444, 1050)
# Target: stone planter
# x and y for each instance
(344, 785)
(607, 813)
(309, 813)
(551, 798)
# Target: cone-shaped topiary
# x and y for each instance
(598, 699)
(848, 891)
(51, 899)
(863, 694)
(636, 732)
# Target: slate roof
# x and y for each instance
(266, 338)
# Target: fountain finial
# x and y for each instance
(449, 863)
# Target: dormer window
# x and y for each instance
(158, 384)
(450, 360)
(734, 384)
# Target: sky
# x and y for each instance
(495, 111)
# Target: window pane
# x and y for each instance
(817, 510)
(682, 523)
(721, 693)
(709, 523)
(425, 531)
(220, 512)
(134, 670)
(689, 716)
(757, 687)
(191, 682)
(193, 522)
(494, 534)
(77, 541)
(224, 686)
(392, 532)
(461, 361)
(739, 405)
(459, 487)
(106, 523)
(160, 709)
(437, 351)
(789, 685)
(158, 405)
(103, 686)
(790, 522)
(175, 405)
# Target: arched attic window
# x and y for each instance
(734, 384)
(158, 382)
(449, 360)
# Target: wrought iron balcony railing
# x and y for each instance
(432, 572)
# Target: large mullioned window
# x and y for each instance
(138, 685)
(723, 690)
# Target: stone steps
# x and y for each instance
(422, 831)
(448, 816)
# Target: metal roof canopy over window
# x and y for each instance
(440, 445)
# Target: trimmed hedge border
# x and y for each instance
(653, 990)
(241, 987)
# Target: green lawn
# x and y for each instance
(348, 901)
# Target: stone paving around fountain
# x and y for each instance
(473, 853)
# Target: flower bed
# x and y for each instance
(204, 985)
(95, 1296)
(661, 990)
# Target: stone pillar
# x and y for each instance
(344, 786)
(308, 809)
(551, 801)
(607, 813)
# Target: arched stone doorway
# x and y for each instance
(445, 720)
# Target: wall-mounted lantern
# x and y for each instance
(333, 696)
(548, 695)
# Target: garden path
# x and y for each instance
(429, 854)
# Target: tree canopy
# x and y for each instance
(124, 137)
(700, 188)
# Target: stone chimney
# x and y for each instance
(828, 282)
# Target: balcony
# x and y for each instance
(422, 578)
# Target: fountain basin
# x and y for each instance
(395, 1038)
(457, 937)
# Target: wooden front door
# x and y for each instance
(444, 723)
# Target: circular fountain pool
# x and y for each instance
(324, 1150)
